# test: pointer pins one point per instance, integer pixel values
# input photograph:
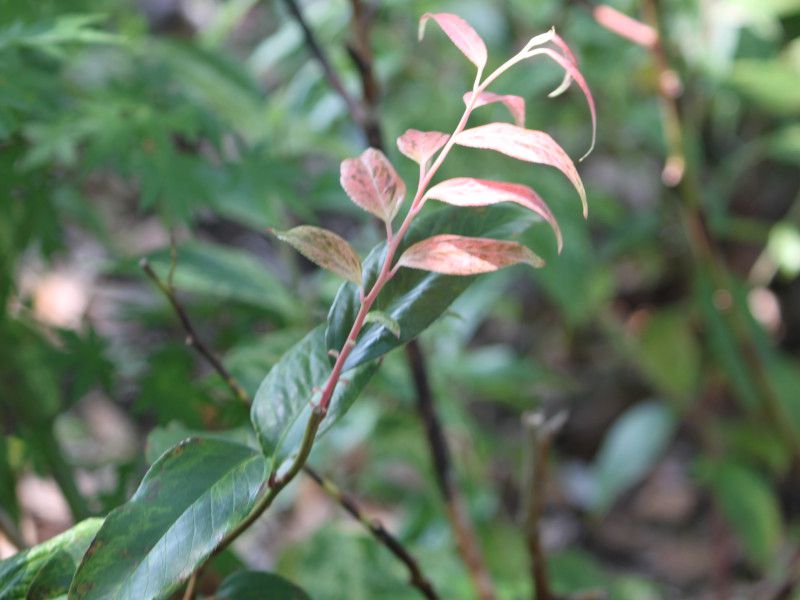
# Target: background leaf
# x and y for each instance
(255, 585)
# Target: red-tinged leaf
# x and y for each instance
(524, 144)
(372, 183)
(458, 255)
(461, 34)
(625, 26)
(514, 104)
(420, 146)
(325, 249)
(572, 72)
(468, 191)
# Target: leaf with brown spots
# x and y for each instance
(458, 255)
(372, 183)
(420, 146)
(325, 249)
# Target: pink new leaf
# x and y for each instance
(524, 144)
(458, 255)
(420, 146)
(514, 104)
(468, 191)
(461, 34)
(325, 249)
(372, 183)
(625, 26)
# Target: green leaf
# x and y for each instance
(376, 316)
(630, 448)
(254, 585)
(220, 273)
(187, 502)
(162, 439)
(785, 144)
(669, 354)
(285, 398)
(749, 506)
(415, 299)
(768, 84)
(47, 568)
(325, 249)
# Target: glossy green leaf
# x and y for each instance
(46, 570)
(413, 298)
(162, 439)
(376, 316)
(255, 585)
(633, 444)
(188, 500)
(749, 506)
(285, 398)
(220, 273)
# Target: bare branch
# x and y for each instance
(416, 577)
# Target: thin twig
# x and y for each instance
(416, 576)
(466, 540)
(191, 587)
(700, 242)
(539, 433)
(192, 339)
(353, 107)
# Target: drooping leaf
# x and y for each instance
(567, 61)
(415, 298)
(514, 104)
(380, 317)
(221, 273)
(750, 507)
(632, 445)
(189, 499)
(420, 146)
(286, 397)
(256, 585)
(625, 26)
(469, 191)
(373, 184)
(524, 144)
(325, 249)
(458, 255)
(48, 567)
(461, 34)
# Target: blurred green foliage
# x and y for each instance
(210, 126)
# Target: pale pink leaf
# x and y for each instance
(514, 104)
(625, 26)
(458, 255)
(461, 34)
(468, 191)
(420, 146)
(325, 249)
(524, 144)
(372, 183)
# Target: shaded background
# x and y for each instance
(668, 328)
